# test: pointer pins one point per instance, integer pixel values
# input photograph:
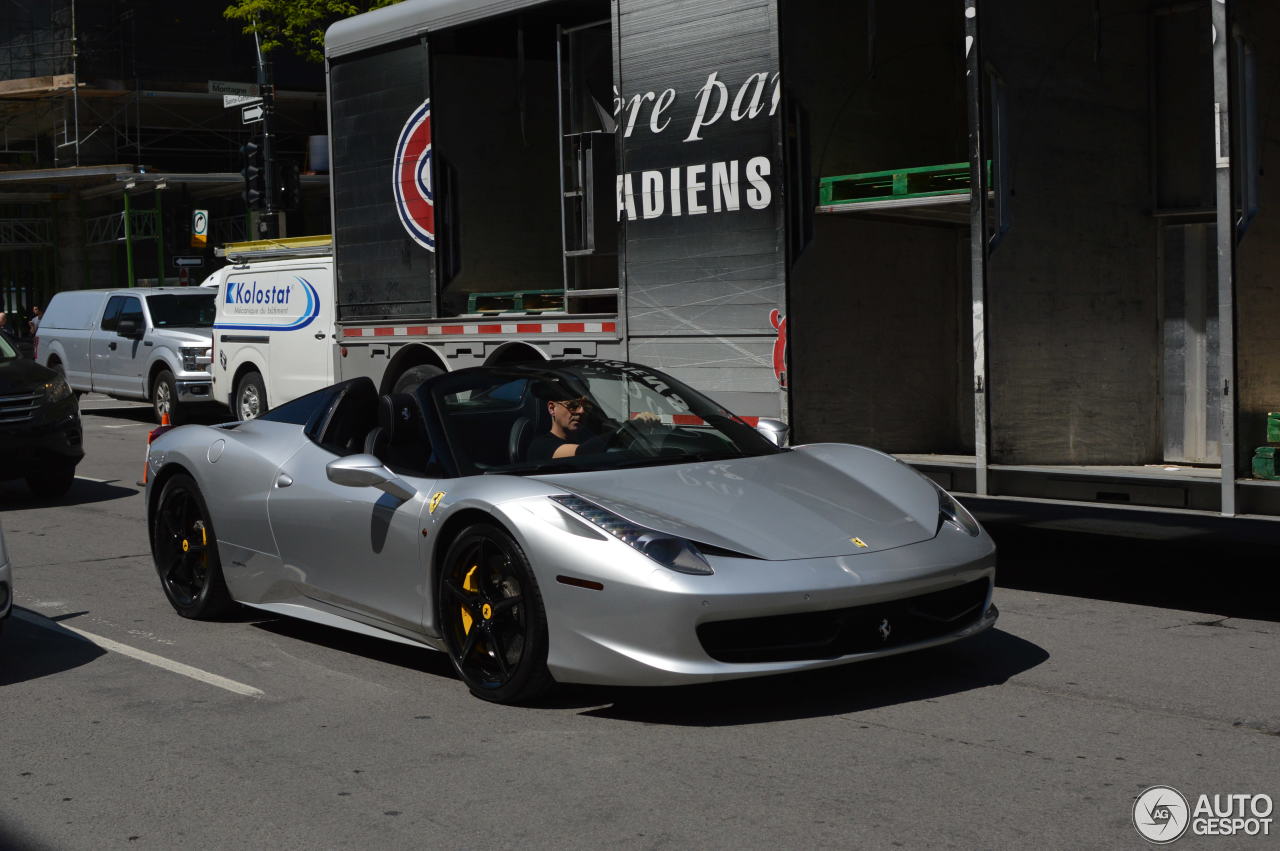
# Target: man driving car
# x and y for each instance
(570, 433)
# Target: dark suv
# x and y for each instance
(41, 439)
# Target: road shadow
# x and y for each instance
(985, 660)
(14, 837)
(29, 651)
(16, 496)
(378, 649)
(203, 414)
(122, 413)
(1196, 571)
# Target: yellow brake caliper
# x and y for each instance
(469, 584)
(204, 537)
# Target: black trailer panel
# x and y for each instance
(383, 233)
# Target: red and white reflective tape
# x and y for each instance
(689, 419)
(513, 328)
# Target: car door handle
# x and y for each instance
(111, 346)
(320, 336)
(284, 480)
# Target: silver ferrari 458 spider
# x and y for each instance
(576, 521)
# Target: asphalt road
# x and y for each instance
(123, 725)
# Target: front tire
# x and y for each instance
(164, 399)
(185, 550)
(492, 617)
(251, 397)
(53, 482)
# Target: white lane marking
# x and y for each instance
(142, 655)
(99, 481)
(124, 425)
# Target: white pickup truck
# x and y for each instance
(148, 343)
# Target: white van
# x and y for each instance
(273, 328)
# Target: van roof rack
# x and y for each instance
(277, 249)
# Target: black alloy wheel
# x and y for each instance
(492, 616)
(185, 551)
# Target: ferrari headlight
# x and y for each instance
(57, 390)
(197, 358)
(951, 511)
(671, 552)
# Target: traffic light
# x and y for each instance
(290, 184)
(254, 174)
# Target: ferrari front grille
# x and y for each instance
(840, 632)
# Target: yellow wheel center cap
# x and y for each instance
(487, 611)
(186, 545)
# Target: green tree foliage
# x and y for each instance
(296, 24)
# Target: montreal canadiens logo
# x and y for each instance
(412, 179)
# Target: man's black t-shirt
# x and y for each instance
(544, 446)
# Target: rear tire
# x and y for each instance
(164, 399)
(52, 482)
(409, 381)
(251, 397)
(491, 613)
(185, 551)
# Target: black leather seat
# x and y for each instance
(534, 421)
(399, 440)
(519, 439)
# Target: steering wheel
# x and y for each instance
(628, 435)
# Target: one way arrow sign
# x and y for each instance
(250, 114)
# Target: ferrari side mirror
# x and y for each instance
(773, 430)
(365, 471)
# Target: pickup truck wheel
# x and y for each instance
(251, 397)
(52, 482)
(164, 398)
(409, 382)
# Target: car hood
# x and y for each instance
(810, 502)
(183, 336)
(19, 375)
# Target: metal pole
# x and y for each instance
(75, 78)
(1221, 36)
(159, 240)
(128, 239)
(267, 221)
(977, 244)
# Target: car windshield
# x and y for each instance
(6, 350)
(189, 310)
(499, 419)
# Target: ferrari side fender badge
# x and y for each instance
(435, 502)
(858, 542)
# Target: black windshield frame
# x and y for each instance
(474, 422)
